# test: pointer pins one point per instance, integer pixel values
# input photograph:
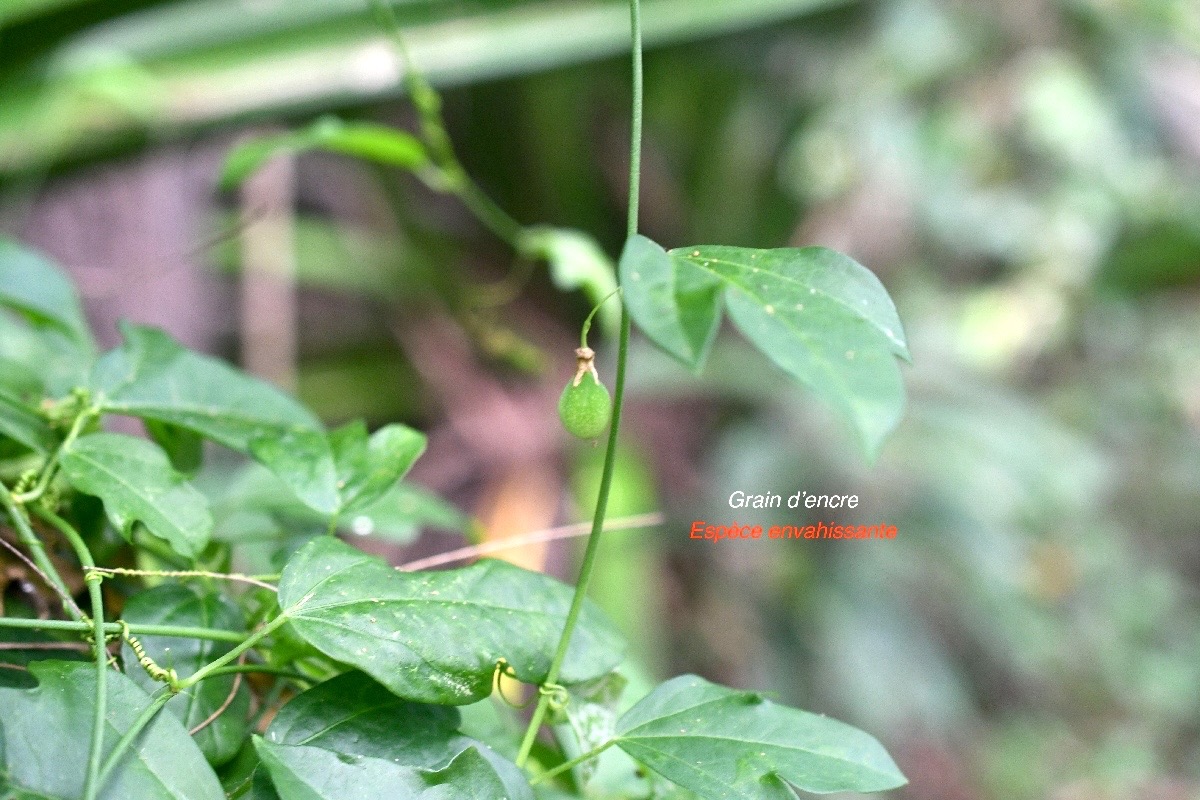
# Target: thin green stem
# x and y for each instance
(254, 638)
(167, 692)
(209, 634)
(163, 696)
(587, 322)
(449, 175)
(52, 463)
(34, 545)
(635, 127)
(264, 669)
(487, 211)
(593, 544)
(91, 786)
(574, 762)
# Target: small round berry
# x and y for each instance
(585, 407)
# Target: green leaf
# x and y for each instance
(679, 309)
(310, 773)
(174, 604)
(303, 460)
(576, 262)
(728, 745)
(18, 379)
(151, 376)
(365, 140)
(45, 732)
(355, 716)
(437, 637)
(368, 468)
(137, 483)
(41, 292)
(819, 315)
(50, 357)
(261, 787)
(11, 638)
(23, 424)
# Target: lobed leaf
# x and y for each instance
(45, 733)
(153, 377)
(258, 504)
(724, 744)
(175, 604)
(679, 309)
(437, 637)
(819, 315)
(137, 484)
(302, 459)
(179, 392)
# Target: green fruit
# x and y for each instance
(585, 409)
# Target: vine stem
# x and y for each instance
(167, 692)
(51, 464)
(148, 713)
(254, 638)
(587, 567)
(448, 174)
(587, 322)
(574, 762)
(91, 785)
(210, 634)
(34, 545)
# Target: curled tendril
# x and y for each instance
(167, 676)
(90, 637)
(25, 482)
(556, 696)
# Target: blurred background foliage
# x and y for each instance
(1024, 177)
